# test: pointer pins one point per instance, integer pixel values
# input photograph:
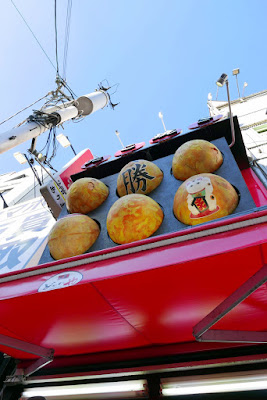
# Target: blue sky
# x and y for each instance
(166, 56)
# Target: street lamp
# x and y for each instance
(21, 158)
(64, 141)
(220, 82)
(161, 117)
(244, 87)
(117, 133)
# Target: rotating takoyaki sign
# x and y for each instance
(135, 216)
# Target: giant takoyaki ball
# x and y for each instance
(133, 217)
(204, 197)
(85, 195)
(195, 157)
(139, 176)
(72, 235)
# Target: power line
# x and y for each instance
(33, 34)
(12, 116)
(67, 35)
(67, 31)
(56, 35)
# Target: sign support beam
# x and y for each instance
(45, 354)
(202, 331)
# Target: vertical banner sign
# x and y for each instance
(23, 234)
(54, 192)
(57, 190)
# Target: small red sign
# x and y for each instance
(75, 166)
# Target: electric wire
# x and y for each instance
(44, 119)
(56, 68)
(42, 176)
(54, 144)
(33, 34)
(51, 140)
(62, 80)
(58, 96)
(12, 116)
(67, 35)
(34, 188)
(56, 35)
(64, 83)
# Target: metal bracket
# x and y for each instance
(33, 145)
(46, 356)
(202, 331)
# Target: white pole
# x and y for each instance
(16, 136)
(118, 136)
(83, 106)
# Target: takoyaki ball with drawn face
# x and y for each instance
(204, 197)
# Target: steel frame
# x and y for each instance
(46, 355)
(202, 331)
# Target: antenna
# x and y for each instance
(209, 96)
(118, 136)
(161, 117)
(235, 73)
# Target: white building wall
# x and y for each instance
(17, 187)
(25, 223)
(250, 110)
(252, 116)
(23, 234)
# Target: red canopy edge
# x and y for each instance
(190, 233)
(157, 252)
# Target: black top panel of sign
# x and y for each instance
(163, 149)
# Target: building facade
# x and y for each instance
(252, 116)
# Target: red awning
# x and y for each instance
(146, 294)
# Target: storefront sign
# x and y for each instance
(23, 232)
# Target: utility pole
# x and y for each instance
(83, 106)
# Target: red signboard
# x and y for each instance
(74, 166)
